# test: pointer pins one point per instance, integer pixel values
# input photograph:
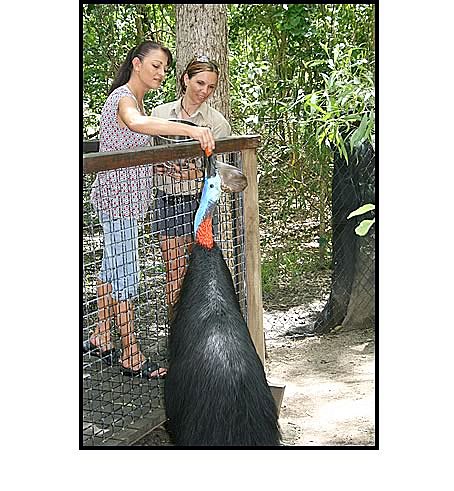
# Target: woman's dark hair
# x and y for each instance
(198, 65)
(124, 72)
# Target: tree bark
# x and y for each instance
(201, 29)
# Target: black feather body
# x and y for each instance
(216, 392)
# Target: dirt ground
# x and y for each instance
(329, 397)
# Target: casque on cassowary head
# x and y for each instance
(216, 392)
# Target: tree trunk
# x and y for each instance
(201, 29)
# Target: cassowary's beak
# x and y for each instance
(232, 179)
(210, 164)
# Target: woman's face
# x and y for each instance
(200, 86)
(152, 69)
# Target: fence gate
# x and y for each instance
(118, 409)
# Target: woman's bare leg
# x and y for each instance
(174, 253)
(131, 356)
(101, 335)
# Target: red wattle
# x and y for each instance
(205, 234)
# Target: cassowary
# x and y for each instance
(216, 392)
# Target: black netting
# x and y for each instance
(351, 301)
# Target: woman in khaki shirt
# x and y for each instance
(176, 202)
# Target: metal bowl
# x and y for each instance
(167, 140)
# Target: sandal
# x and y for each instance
(109, 357)
(144, 371)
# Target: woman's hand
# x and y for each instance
(204, 136)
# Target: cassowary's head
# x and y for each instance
(219, 176)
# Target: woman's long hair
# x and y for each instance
(124, 72)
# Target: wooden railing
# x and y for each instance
(94, 161)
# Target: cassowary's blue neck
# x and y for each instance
(211, 193)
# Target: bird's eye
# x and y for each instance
(211, 185)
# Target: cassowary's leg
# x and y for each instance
(175, 251)
(101, 334)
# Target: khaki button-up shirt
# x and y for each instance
(204, 116)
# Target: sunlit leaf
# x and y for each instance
(359, 133)
(361, 210)
(364, 227)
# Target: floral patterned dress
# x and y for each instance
(124, 192)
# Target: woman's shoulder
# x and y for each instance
(122, 88)
(214, 112)
(219, 124)
(113, 100)
(118, 93)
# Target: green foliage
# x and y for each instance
(361, 210)
(364, 227)
(342, 113)
(301, 75)
(282, 268)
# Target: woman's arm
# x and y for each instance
(148, 125)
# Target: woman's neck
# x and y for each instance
(188, 107)
(137, 89)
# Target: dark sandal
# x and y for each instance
(109, 357)
(144, 371)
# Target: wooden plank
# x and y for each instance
(252, 253)
(147, 425)
(98, 161)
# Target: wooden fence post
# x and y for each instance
(252, 253)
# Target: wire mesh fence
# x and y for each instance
(351, 303)
(117, 408)
(149, 263)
